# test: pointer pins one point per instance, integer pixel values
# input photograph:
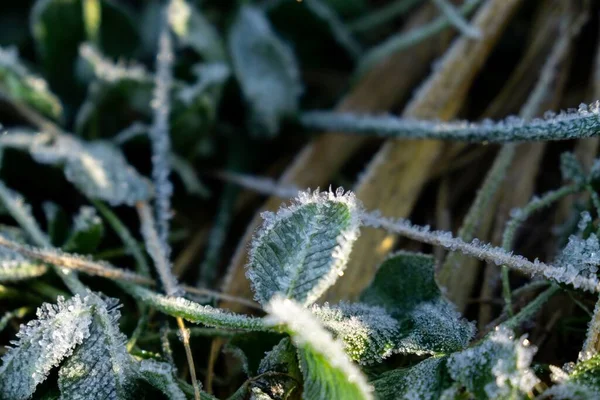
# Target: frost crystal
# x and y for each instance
(327, 370)
(369, 334)
(300, 251)
(496, 368)
(43, 343)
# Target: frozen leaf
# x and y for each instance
(300, 251)
(369, 333)
(195, 31)
(265, 68)
(42, 344)
(428, 323)
(497, 368)
(101, 366)
(571, 168)
(98, 169)
(160, 375)
(21, 85)
(86, 233)
(328, 372)
(426, 380)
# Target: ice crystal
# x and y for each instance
(160, 375)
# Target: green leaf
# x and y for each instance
(405, 287)
(20, 85)
(42, 344)
(266, 70)
(160, 375)
(497, 368)
(426, 381)
(194, 30)
(86, 233)
(300, 251)
(576, 382)
(101, 366)
(327, 371)
(369, 333)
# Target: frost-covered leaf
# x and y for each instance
(571, 169)
(369, 333)
(266, 69)
(101, 367)
(300, 251)
(160, 375)
(426, 380)
(328, 372)
(194, 30)
(405, 287)
(19, 84)
(86, 233)
(98, 169)
(43, 343)
(250, 348)
(497, 368)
